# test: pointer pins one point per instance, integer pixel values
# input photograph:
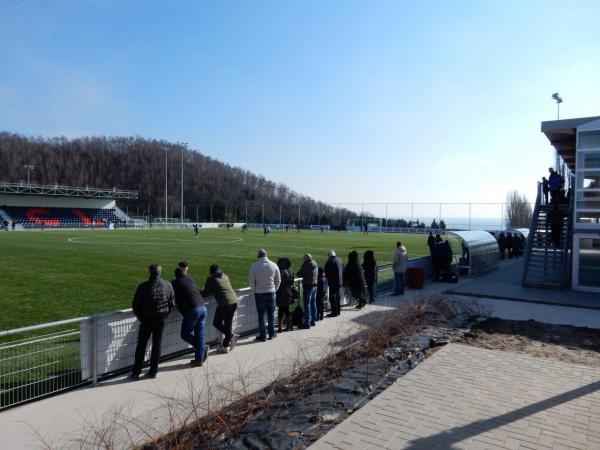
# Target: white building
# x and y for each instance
(577, 142)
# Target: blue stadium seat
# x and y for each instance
(44, 217)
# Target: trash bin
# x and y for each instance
(415, 277)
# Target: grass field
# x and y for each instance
(53, 275)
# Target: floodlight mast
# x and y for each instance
(28, 167)
(557, 98)
(166, 185)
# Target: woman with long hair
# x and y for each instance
(284, 298)
(354, 279)
(370, 269)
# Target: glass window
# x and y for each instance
(588, 160)
(588, 180)
(587, 217)
(589, 262)
(588, 199)
(589, 139)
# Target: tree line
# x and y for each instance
(213, 190)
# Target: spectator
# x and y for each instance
(284, 294)
(264, 280)
(308, 272)
(369, 266)
(502, 244)
(430, 242)
(321, 291)
(334, 273)
(545, 189)
(555, 183)
(555, 219)
(151, 304)
(508, 242)
(190, 304)
(218, 284)
(354, 279)
(399, 266)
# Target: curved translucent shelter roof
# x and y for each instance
(483, 252)
(524, 231)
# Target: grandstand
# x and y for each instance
(38, 206)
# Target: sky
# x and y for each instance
(345, 101)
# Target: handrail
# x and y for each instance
(241, 291)
(532, 230)
(566, 244)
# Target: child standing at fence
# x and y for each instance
(321, 291)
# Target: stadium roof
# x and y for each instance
(562, 135)
(56, 190)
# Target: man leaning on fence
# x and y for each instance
(151, 305)
(218, 284)
(264, 280)
(191, 306)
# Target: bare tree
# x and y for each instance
(518, 210)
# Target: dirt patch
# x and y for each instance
(560, 342)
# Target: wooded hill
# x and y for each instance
(212, 189)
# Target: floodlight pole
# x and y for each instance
(386, 215)
(28, 167)
(558, 99)
(166, 185)
(181, 208)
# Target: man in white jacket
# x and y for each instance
(264, 280)
(399, 267)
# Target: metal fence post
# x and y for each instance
(94, 352)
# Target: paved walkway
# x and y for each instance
(150, 405)
(505, 283)
(465, 397)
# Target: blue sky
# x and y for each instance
(364, 101)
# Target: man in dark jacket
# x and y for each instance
(151, 305)
(334, 271)
(308, 271)
(191, 306)
(555, 220)
(218, 284)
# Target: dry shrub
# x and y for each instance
(224, 411)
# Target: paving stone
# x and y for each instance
(468, 397)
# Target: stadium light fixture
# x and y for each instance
(28, 167)
(557, 98)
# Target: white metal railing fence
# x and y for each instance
(45, 359)
(49, 358)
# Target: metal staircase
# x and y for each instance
(548, 265)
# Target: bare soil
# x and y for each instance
(560, 342)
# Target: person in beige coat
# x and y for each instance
(399, 267)
(264, 280)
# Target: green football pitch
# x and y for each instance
(54, 275)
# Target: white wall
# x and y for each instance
(55, 202)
